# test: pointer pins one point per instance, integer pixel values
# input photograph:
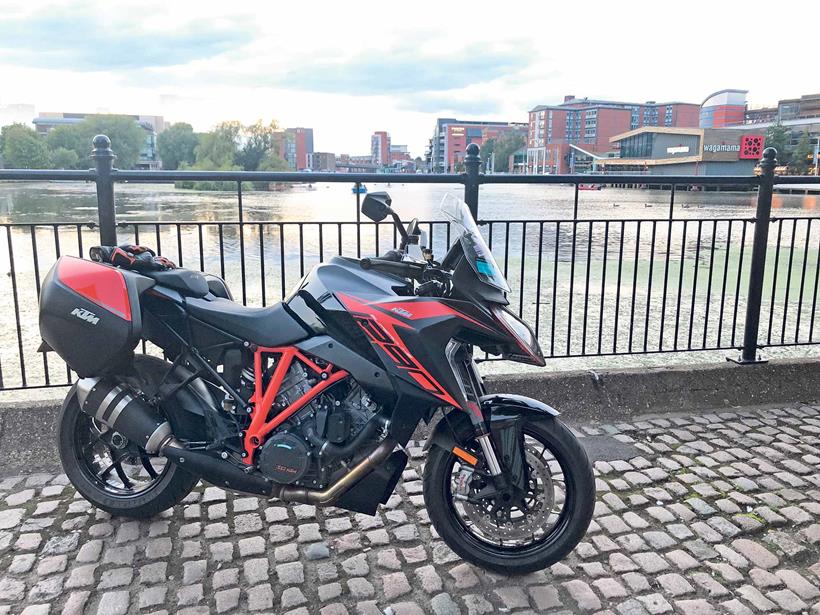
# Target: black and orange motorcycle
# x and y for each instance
(314, 399)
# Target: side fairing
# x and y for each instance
(411, 336)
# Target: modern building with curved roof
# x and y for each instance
(723, 108)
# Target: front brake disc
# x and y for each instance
(512, 521)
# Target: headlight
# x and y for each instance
(524, 337)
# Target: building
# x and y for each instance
(684, 151)
(399, 153)
(321, 161)
(151, 124)
(451, 138)
(723, 108)
(805, 107)
(589, 124)
(380, 148)
(294, 147)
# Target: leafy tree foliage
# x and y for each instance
(778, 137)
(177, 145)
(801, 154)
(230, 146)
(503, 147)
(259, 141)
(23, 148)
(63, 158)
(217, 149)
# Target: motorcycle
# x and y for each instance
(313, 399)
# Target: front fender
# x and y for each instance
(456, 428)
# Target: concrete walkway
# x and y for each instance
(699, 514)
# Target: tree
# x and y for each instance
(23, 148)
(801, 154)
(779, 137)
(62, 158)
(70, 138)
(504, 147)
(259, 142)
(487, 149)
(217, 149)
(177, 145)
(127, 138)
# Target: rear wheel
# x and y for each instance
(109, 471)
(509, 536)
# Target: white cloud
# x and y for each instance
(347, 69)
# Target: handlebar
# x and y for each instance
(400, 268)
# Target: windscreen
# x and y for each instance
(475, 249)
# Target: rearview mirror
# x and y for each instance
(376, 206)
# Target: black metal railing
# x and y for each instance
(592, 285)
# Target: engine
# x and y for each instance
(312, 447)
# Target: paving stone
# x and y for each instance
(675, 585)
(443, 604)
(753, 596)
(787, 600)
(582, 594)
(610, 588)
(113, 603)
(260, 598)
(798, 584)
(227, 599)
(655, 603)
(650, 562)
(152, 596)
(429, 579)
(394, 585)
(695, 607)
(756, 553)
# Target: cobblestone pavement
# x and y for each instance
(716, 514)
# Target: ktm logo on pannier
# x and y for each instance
(85, 315)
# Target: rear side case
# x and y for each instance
(90, 313)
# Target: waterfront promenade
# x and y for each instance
(696, 514)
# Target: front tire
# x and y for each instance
(475, 543)
(139, 485)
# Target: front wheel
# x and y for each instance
(514, 537)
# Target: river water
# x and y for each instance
(622, 277)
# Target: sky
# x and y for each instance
(347, 69)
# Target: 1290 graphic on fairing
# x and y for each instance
(313, 399)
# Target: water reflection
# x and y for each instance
(618, 280)
(53, 202)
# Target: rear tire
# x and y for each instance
(569, 529)
(167, 489)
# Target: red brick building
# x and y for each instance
(451, 138)
(295, 145)
(588, 125)
(380, 148)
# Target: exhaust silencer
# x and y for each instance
(117, 407)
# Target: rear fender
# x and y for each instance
(185, 410)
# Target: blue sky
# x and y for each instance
(348, 69)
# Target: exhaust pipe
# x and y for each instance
(334, 491)
(118, 408)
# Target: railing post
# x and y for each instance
(103, 158)
(472, 164)
(757, 271)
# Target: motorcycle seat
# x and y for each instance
(270, 326)
(189, 283)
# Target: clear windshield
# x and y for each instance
(475, 249)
